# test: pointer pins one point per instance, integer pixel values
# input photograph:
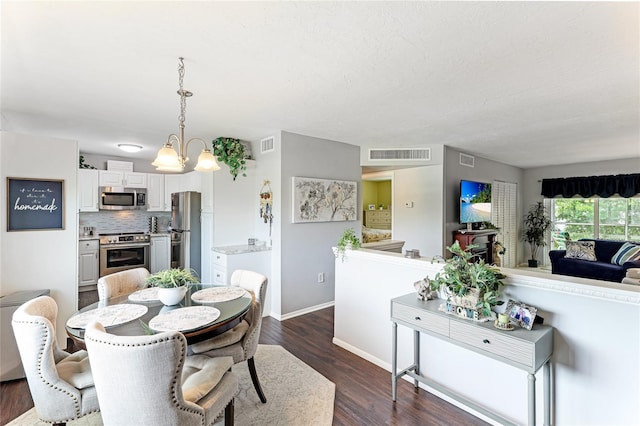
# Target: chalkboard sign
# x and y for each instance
(34, 204)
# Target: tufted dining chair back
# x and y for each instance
(121, 283)
(241, 342)
(61, 384)
(149, 380)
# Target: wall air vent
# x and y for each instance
(267, 144)
(409, 154)
(467, 160)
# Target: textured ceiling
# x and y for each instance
(524, 83)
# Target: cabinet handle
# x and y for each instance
(418, 319)
(486, 341)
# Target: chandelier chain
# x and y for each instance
(182, 93)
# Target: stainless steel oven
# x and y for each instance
(122, 251)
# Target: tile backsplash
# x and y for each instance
(123, 221)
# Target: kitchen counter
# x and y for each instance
(88, 237)
(242, 248)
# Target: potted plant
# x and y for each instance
(348, 240)
(233, 153)
(470, 284)
(172, 284)
(536, 225)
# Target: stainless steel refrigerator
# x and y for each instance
(185, 231)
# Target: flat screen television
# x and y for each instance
(475, 202)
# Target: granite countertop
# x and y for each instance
(160, 234)
(241, 248)
(88, 237)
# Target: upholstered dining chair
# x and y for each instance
(150, 380)
(241, 342)
(121, 283)
(61, 383)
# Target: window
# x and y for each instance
(604, 218)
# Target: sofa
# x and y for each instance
(581, 263)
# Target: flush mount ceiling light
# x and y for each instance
(168, 160)
(129, 147)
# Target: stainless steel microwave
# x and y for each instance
(118, 198)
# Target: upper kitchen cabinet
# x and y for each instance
(88, 190)
(201, 182)
(125, 179)
(155, 193)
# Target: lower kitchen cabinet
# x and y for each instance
(88, 262)
(228, 259)
(160, 253)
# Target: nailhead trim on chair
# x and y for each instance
(46, 382)
(175, 373)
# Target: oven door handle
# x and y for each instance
(124, 246)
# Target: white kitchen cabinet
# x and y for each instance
(124, 179)
(160, 253)
(88, 190)
(253, 258)
(88, 262)
(155, 193)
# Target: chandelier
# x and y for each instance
(168, 160)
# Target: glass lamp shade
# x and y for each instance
(167, 157)
(206, 162)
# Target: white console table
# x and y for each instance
(528, 350)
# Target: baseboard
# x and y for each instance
(362, 354)
(301, 311)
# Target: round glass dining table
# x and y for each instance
(137, 316)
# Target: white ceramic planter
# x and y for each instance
(171, 296)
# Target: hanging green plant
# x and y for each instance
(232, 153)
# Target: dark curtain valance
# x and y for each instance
(604, 186)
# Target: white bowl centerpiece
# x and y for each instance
(172, 284)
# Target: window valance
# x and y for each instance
(588, 186)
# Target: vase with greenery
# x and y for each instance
(536, 225)
(349, 239)
(462, 277)
(172, 284)
(231, 152)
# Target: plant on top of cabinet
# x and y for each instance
(231, 152)
(83, 165)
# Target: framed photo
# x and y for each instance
(521, 314)
(324, 200)
(372, 206)
(34, 204)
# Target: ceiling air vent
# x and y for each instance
(467, 160)
(410, 154)
(266, 144)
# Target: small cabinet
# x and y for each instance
(88, 190)
(88, 262)
(155, 193)
(124, 179)
(160, 253)
(225, 264)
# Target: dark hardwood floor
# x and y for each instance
(363, 390)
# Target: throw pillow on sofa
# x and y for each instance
(584, 250)
(627, 253)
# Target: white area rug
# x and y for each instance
(296, 394)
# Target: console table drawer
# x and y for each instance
(420, 318)
(496, 342)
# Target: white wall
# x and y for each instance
(420, 226)
(306, 247)
(596, 340)
(34, 260)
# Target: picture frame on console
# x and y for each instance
(521, 314)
